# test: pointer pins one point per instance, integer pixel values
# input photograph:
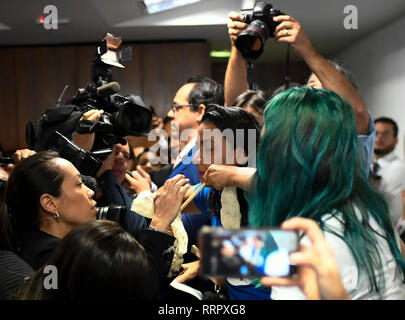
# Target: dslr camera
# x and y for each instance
(250, 41)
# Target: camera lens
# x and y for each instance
(250, 42)
(114, 213)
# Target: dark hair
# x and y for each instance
(349, 76)
(96, 260)
(30, 179)
(283, 88)
(233, 118)
(253, 98)
(390, 121)
(206, 91)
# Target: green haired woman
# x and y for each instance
(308, 166)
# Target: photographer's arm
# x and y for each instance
(236, 74)
(290, 31)
(86, 141)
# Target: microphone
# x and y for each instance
(108, 89)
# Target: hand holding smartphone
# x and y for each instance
(247, 252)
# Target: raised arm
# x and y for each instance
(236, 74)
(290, 31)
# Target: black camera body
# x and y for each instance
(261, 26)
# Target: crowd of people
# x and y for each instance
(310, 158)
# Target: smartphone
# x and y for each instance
(247, 252)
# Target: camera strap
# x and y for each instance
(287, 68)
(249, 68)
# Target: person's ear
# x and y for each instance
(395, 140)
(200, 112)
(47, 203)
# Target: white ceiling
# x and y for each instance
(91, 19)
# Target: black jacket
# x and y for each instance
(115, 194)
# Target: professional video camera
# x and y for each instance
(261, 26)
(123, 115)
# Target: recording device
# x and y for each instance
(88, 163)
(247, 252)
(4, 161)
(123, 114)
(113, 213)
(261, 26)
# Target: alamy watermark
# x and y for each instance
(351, 20)
(208, 146)
(50, 21)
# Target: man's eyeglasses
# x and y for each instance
(177, 107)
(385, 134)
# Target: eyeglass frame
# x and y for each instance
(175, 107)
(384, 134)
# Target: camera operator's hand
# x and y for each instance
(86, 141)
(290, 30)
(235, 25)
(136, 183)
(18, 156)
(108, 163)
(315, 263)
(22, 154)
(168, 202)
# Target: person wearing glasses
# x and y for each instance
(186, 112)
(388, 171)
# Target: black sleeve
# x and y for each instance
(158, 249)
(12, 271)
(115, 194)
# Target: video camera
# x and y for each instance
(261, 26)
(124, 115)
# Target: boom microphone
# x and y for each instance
(108, 89)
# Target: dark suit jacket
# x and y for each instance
(36, 247)
(160, 176)
(114, 193)
(12, 271)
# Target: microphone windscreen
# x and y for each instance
(108, 89)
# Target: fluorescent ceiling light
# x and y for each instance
(154, 6)
(220, 54)
(4, 27)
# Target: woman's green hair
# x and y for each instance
(308, 166)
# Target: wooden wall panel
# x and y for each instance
(33, 78)
(8, 99)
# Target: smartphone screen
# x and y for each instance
(247, 252)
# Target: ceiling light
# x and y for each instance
(61, 21)
(220, 54)
(154, 6)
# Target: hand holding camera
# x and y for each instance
(86, 140)
(290, 30)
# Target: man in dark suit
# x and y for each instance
(110, 190)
